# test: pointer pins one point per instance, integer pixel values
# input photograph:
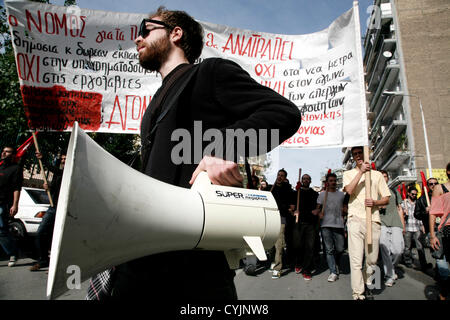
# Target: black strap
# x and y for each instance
(444, 188)
(147, 141)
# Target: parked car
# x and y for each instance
(33, 204)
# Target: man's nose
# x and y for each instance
(137, 40)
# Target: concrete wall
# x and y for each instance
(424, 27)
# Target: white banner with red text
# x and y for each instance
(82, 65)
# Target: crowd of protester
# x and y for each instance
(11, 180)
(317, 222)
(314, 224)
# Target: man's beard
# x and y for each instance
(156, 54)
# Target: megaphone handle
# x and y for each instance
(202, 180)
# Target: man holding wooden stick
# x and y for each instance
(45, 230)
(358, 245)
(305, 235)
(283, 196)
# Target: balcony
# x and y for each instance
(396, 160)
(347, 155)
(389, 108)
(376, 69)
(387, 82)
(373, 35)
(399, 179)
(389, 140)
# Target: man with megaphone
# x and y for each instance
(218, 94)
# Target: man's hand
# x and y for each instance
(38, 155)
(316, 212)
(220, 172)
(369, 202)
(45, 186)
(427, 209)
(365, 167)
(296, 215)
(13, 210)
(434, 242)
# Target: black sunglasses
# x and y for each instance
(433, 183)
(144, 32)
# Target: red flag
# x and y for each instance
(424, 183)
(329, 171)
(403, 191)
(373, 166)
(399, 189)
(298, 186)
(22, 149)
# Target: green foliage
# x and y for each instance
(14, 129)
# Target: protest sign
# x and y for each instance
(82, 65)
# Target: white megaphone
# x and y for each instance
(108, 213)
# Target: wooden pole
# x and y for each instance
(368, 195)
(298, 193)
(42, 169)
(426, 195)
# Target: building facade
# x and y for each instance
(407, 68)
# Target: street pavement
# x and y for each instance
(17, 283)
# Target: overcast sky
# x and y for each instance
(282, 17)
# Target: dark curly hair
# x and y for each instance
(192, 40)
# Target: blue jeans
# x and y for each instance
(333, 239)
(442, 267)
(44, 236)
(6, 240)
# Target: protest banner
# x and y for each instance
(82, 65)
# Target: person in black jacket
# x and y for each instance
(305, 235)
(45, 231)
(421, 210)
(285, 201)
(11, 177)
(215, 94)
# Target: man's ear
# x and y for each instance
(176, 34)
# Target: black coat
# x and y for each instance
(221, 95)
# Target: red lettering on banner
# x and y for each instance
(56, 108)
(28, 69)
(296, 140)
(134, 107)
(56, 24)
(256, 46)
(314, 130)
(332, 115)
(12, 21)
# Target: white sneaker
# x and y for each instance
(12, 261)
(272, 265)
(390, 282)
(395, 277)
(276, 274)
(332, 277)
